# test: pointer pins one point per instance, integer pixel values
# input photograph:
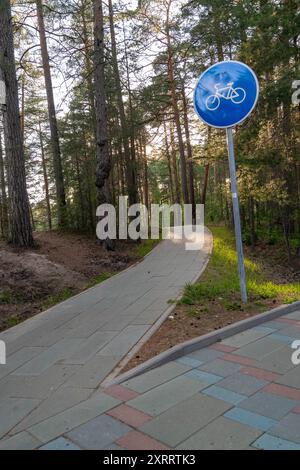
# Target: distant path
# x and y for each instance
(57, 359)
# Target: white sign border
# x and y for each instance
(255, 102)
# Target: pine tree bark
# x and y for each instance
(172, 85)
(20, 226)
(189, 154)
(45, 175)
(3, 200)
(102, 150)
(57, 165)
(129, 157)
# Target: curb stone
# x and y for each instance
(204, 341)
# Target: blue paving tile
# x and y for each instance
(189, 361)
(251, 419)
(203, 376)
(60, 444)
(222, 394)
(283, 338)
(268, 442)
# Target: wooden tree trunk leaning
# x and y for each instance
(20, 226)
(57, 165)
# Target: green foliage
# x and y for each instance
(221, 282)
(60, 296)
(101, 278)
(145, 247)
(6, 296)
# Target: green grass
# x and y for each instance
(58, 297)
(6, 296)
(145, 247)
(221, 282)
(12, 321)
(101, 278)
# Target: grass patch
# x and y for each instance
(12, 321)
(101, 278)
(145, 247)
(6, 296)
(58, 297)
(221, 282)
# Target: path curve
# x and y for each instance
(57, 359)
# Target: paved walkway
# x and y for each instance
(57, 360)
(241, 393)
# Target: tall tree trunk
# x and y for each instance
(205, 183)
(168, 154)
(129, 158)
(57, 165)
(88, 63)
(20, 226)
(172, 85)
(49, 218)
(189, 154)
(4, 209)
(102, 151)
(174, 165)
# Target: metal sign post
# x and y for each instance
(236, 215)
(226, 93)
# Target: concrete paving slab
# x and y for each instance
(184, 419)
(269, 405)
(69, 419)
(98, 433)
(155, 377)
(159, 399)
(221, 434)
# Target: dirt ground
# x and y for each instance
(61, 265)
(182, 326)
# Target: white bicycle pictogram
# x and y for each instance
(228, 93)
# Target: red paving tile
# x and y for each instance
(296, 410)
(120, 392)
(129, 415)
(260, 373)
(222, 347)
(282, 390)
(246, 361)
(135, 440)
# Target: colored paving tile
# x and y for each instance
(267, 442)
(137, 441)
(223, 394)
(60, 444)
(129, 415)
(251, 419)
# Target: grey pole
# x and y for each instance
(236, 214)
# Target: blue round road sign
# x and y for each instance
(226, 94)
